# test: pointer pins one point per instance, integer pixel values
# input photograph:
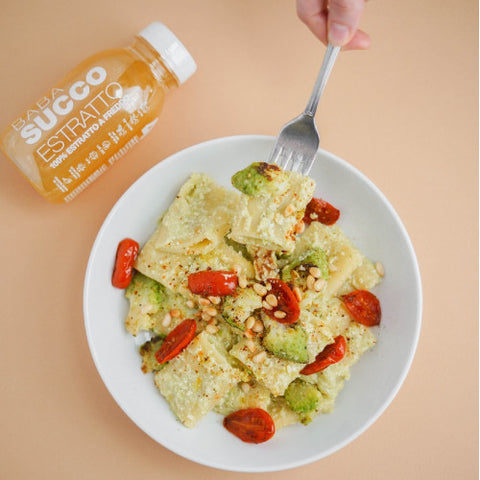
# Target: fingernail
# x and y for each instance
(338, 34)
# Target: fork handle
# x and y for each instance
(325, 69)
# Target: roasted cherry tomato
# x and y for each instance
(363, 306)
(287, 303)
(176, 340)
(331, 354)
(212, 283)
(321, 211)
(251, 425)
(127, 251)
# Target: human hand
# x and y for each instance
(335, 22)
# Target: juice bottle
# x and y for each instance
(92, 117)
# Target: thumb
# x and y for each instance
(343, 19)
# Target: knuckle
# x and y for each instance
(346, 7)
(301, 15)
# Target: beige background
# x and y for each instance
(404, 113)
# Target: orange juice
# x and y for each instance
(100, 110)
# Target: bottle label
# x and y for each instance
(60, 103)
(76, 132)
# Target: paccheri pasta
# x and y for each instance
(259, 311)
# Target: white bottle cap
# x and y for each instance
(172, 51)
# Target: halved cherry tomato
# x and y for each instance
(321, 211)
(127, 251)
(287, 302)
(251, 425)
(176, 340)
(363, 306)
(213, 283)
(331, 354)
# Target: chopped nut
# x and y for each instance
(295, 274)
(380, 269)
(250, 345)
(319, 284)
(212, 329)
(266, 305)
(212, 311)
(248, 334)
(175, 313)
(279, 314)
(271, 300)
(245, 387)
(315, 272)
(242, 281)
(310, 282)
(298, 294)
(264, 264)
(206, 316)
(167, 319)
(269, 286)
(260, 357)
(190, 303)
(204, 302)
(260, 289)
(300, 227)
(215, 300)
(258, 327)
(250, 322)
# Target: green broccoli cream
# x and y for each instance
(289, 343)
(302, 397)
(256, 178)
(311, 258)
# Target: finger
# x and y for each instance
(360, 41)
(314, 14)
(343, 19)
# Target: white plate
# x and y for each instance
(366, 216)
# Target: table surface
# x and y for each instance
(404, 113)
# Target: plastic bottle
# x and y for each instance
(92, 117)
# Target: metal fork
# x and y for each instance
(298, 140)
